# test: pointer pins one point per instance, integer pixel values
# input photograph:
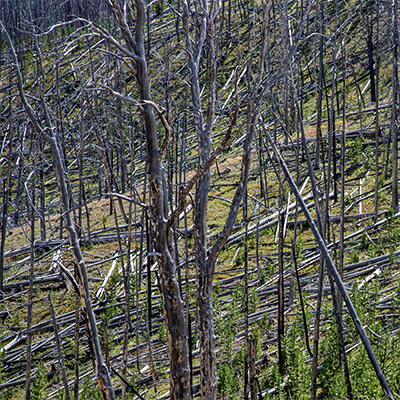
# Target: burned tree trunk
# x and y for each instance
(204, 307)
(162, 237)
(103, 375)
(395, 105)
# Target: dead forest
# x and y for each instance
(199, 199)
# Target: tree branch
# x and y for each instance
(228, 139)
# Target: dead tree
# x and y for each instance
(395, 105)
(161, 232)
(46, 130)
(204, 307)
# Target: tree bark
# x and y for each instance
(58, 346)
(281, 283)
(204, 307)
(162, 238)
(30, 297)
(318, 144)
(6, 196)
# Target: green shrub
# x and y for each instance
(38, 386)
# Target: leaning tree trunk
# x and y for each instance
(339, 283)
(103, 375)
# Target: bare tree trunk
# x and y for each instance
(319, 148)
(103, 375)
(6, 196)
(316, 330)
(377, 129)
(30, 297)
(368, 21)
(59, 351)
(252, 369)
(127, 323)
(294, 261)
(395, 105)
(76, 352)
(342, 177)
(204, 307)
(246, 299)
(42, 199)
(281, 283)
(172, 302)
(360, 329)
(331, 158)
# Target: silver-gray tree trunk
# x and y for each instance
(102, 373)
(162, 238)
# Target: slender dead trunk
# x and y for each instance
(332, 158)
(246, 299)
(252, 369)
(319, 148)
(76, 349)
(342, 177)
(360, 329)
(395, 105)
(316, 330)
(6, 195)
(204, 307)
(377, 129)
(370, 51)
(58, 346)
(102, 372)
(127, 322)
(281, 283)
(30, 296)
(103, 375)
(303, 313)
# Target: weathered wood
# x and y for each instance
(58, 346)
(339, 283)
(173, 307)
(103, 375)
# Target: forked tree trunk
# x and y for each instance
(162, 237)
(204, 307)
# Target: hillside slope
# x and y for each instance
(326, 91)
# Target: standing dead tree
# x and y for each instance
(204, 274)
(395, 105)
(45, 129)
(134, 50)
